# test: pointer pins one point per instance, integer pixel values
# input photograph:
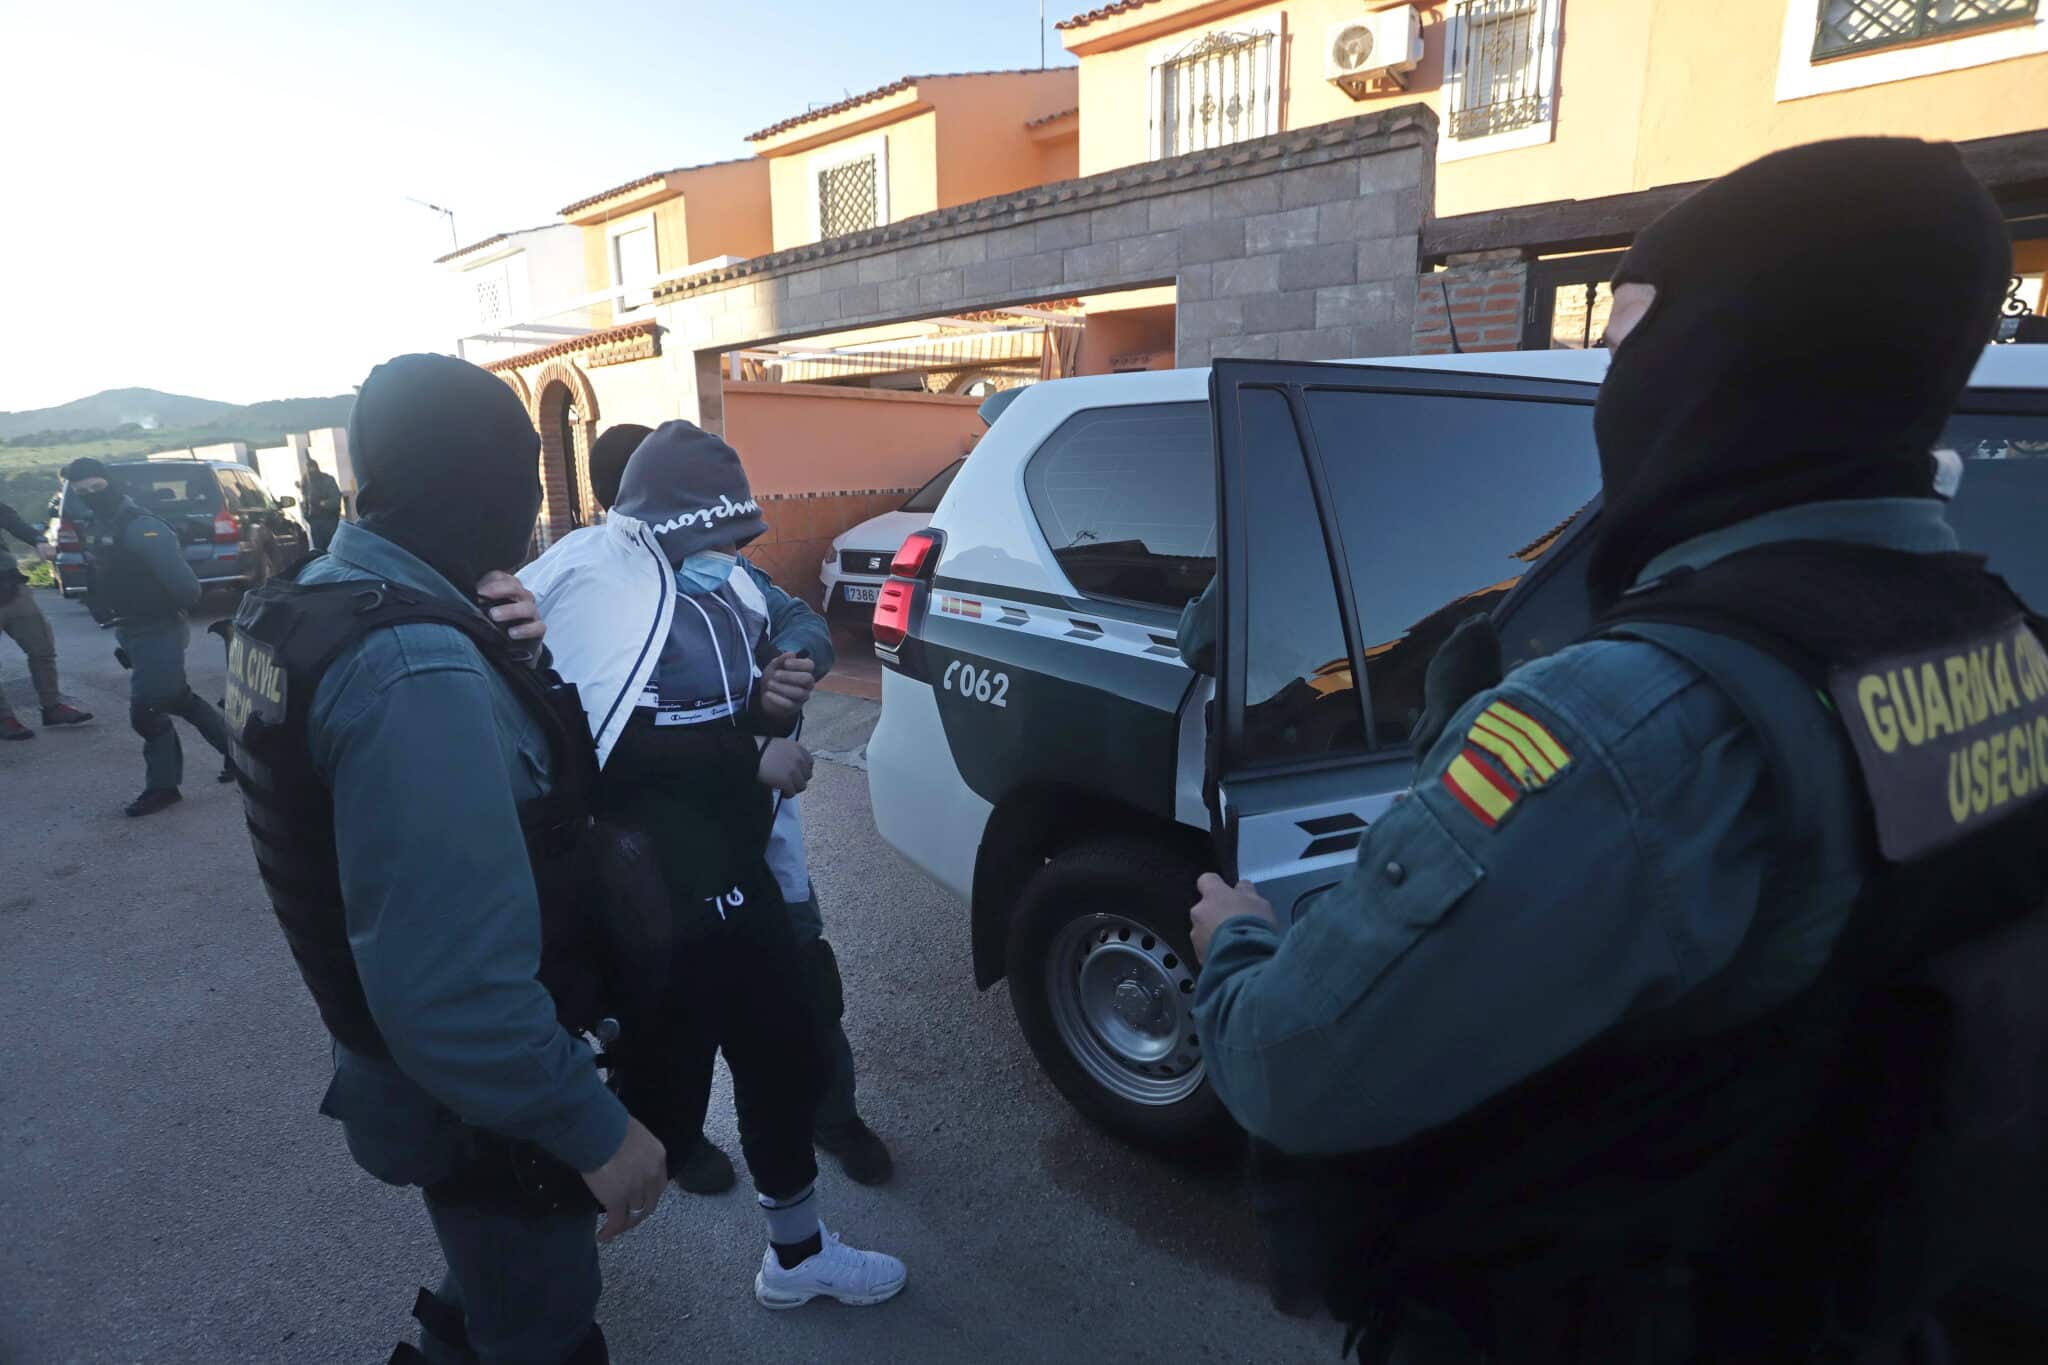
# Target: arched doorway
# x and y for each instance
(565, 411)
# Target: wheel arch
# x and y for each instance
(1030, 826)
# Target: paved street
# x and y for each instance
(169, 1193)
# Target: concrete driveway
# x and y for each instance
(169, 1193)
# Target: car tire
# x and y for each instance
(1101, 979)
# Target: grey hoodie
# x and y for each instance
(690, 489)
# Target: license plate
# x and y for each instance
(856, 593)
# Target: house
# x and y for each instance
(1553, 102)
(917, 145)
(516, 290)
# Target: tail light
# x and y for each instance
(226, 530)
(67, 536)
(892, 612)
(914, 563)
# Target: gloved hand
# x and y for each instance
(121, 658)
(1466, 665)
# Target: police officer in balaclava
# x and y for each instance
(1578, 1050)
(411, 786)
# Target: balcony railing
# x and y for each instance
(1497, 64)
(1218, 91)
(1846, 27)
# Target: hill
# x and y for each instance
(114, 408)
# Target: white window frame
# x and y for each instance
(1164, 54)
(1800, 77)
(875, 145)
(1550, 21)
(612, 232)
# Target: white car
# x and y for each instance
(1044, 753)
(859, 563)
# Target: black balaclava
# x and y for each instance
(449, 465)
(691, 490)
(608, 456)
(103, 503)
(1817, 314)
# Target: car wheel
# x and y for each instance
(1102, 979)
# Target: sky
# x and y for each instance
(210, 197)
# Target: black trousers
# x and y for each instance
(737, 983)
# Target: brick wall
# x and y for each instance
(1485, 297)
(801, 527)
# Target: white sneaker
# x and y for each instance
(836, 1272)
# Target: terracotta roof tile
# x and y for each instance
(879, 92)
(1052, 118)
(473, 246)
(588, 341)
(643, 182)
(1105, 12)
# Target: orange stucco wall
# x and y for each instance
(728, 211)
(984, 146)
(1139, 331)
(818, 438)
(1650, 92)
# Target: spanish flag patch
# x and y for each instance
(1507, 753)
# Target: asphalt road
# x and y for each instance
(169, 1193)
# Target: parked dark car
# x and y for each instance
(235, 533)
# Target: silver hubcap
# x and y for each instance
(1123, 1001)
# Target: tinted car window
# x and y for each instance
(1444, 503)
(1301, 698)
(170, 490)
(2003, 502)
(249, 494)
(1998, 512)
(1126, 497)
(926, 499)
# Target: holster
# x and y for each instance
(504, 1175)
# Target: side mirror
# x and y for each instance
(287, 504)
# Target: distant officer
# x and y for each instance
(24, 621)
(416, 803)
(1631, 1035)
(142, 586)
(323, 504)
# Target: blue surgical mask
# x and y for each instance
(704, 571)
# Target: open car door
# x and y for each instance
(1363, 513)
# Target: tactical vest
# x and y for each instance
(124, 587)
(1813, 1179)
(286, 636)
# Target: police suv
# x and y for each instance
(1044, 752)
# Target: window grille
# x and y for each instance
(1845, 27)
(491, 308)
(847, 198)
(1499, 67)
(1220, 90)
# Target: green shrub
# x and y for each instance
(40, 575)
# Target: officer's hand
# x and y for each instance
(517, 613)
(1221, 901)
(786, 685)
(629, 1186)
(784, 766)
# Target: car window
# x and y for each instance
(170, 490)
(926, 499)
(1301, 698)
(2002, 503)
(1126, 497)
(249, 492)
(1444, 501)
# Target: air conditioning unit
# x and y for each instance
(1382, 46)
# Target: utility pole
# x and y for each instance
(453, 240)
